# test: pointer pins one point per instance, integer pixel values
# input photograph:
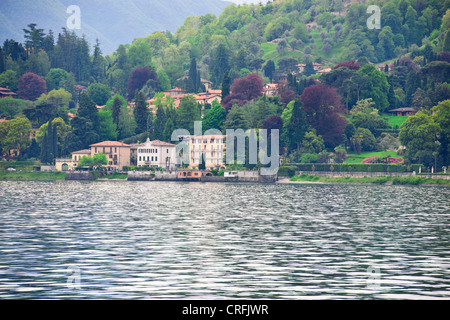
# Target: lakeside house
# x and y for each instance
(270, 89)
(156, 153)
(192, 174)
(403, 111)
(6, 92)
(210, 148)
(117, 154)
(71, 164)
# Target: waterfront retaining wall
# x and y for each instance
(371, 174)
(79, 175)
(165, 176)
(141, 176)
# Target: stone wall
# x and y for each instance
(79, 175)
(371, 174)
(165, 176)
(141, 176)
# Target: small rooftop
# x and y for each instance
(84, 151)
(110, 144)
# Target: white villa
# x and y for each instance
(211, 146)
(156, 153)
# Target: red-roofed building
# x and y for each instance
(204, 98)
(5, 92)
(176, 91)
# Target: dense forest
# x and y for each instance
(61, 79)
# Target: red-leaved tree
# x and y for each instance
(243, 90)
(31, 86)
(287, 96)
(322, 105)
(352, 65)
(138, 79)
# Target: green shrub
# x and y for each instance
(287, 171)
(359, 167)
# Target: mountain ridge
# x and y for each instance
(113, 22)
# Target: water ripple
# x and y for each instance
(151, 240)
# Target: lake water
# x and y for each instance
(169, 240)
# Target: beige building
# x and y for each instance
(117, 153)
(71, 164)
(212, 147)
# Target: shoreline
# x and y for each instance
(301, 179)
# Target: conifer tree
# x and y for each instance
(140, 112)
(226, 84)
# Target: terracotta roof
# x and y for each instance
(85, 151)
(2, 120)
(176, 89)
(110, 144)
(162, 143)
(206, 96)
(326, 70)
(215, 91)
(209, 136)
(7, 92)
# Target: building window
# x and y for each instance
(156, 158)
(167, 150)
(140, 159)
(115, 149)
(103, 149)
(110, 163)
(152, 158)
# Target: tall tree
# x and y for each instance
(34, 37)
(98, 63)
(194, 77)
(138, 79)
(418, 134)
(116, 107)
(269, 69)
(88, 110)
(159, 123)
(226, 83)
(31, 86)
(220, 62)
(140, 112)
(294, 125)
(214, 117)
(322, 105)
(187, 113)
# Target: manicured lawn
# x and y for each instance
(376, 180)
(38, 175)
(116, 175)
(395, 120)
(19, 165)
(358, 158)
